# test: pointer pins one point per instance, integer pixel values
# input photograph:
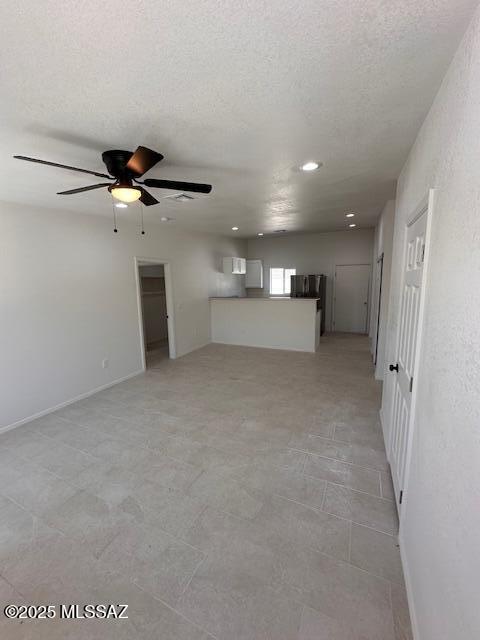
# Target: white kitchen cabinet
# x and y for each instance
(236, 266)
(254, 275)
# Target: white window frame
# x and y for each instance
(286, 287)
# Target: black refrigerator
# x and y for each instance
(311, 286)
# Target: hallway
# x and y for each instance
(234, 493)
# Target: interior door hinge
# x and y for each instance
(423, 253)
(411, 384)
(401, 497)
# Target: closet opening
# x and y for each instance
(155, 312)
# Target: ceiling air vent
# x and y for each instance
(181, 197)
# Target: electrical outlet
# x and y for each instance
(105, 363)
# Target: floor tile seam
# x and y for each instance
(312, 508)
(31, 513)
(388, 533)
(350, 527)
(177, 612)
(339, 484)
(391, 582)
(170, 457)
(208, 446)
(350, 464)
(242, 482)
(394, 635)
(45, 522)
(64, 444)
(336, 459)
(385, 500)
(173, 537)
(81, 426)
(10, 584)
(366, 526)
(50, 473)
(205, 556)
(348, 442)
(324, 497)
(346, 563)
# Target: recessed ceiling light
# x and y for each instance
(352, 225)
(165, 219)
(309, 166)
(260, 234)
(121, 205)
(234, 228)
(349, 215)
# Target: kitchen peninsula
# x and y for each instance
(272, 323)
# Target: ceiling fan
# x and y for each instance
(125, 168)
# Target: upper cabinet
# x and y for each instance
(236, 266)
(254, 275)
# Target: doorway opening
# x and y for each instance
(350, 298)
(155, 307)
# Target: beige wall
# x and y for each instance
(441, 512)
(312, 253)
(68, 300)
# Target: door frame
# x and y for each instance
(426, 207)
(334, 295)
(167, 270)
(378, 305)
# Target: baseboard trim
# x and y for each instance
(92, 392)
(408, 588)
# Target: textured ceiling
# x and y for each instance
(233, 93)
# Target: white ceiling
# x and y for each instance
(233, 93)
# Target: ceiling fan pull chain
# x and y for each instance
(115, 230)
(141, 213)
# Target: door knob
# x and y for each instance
(394, 367)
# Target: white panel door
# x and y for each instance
(351, 298)
(406, 351)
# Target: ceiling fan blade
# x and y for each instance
(142, 160)
(147, 199)
(62, 166)
(179, 186)
(81, 189)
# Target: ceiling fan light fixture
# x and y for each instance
(125, 193)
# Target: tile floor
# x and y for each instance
(155, 357)
(234, 493)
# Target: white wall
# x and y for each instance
(68, 300)
(383, 244)
(312, 253)
(281, 323)
(440, 530)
